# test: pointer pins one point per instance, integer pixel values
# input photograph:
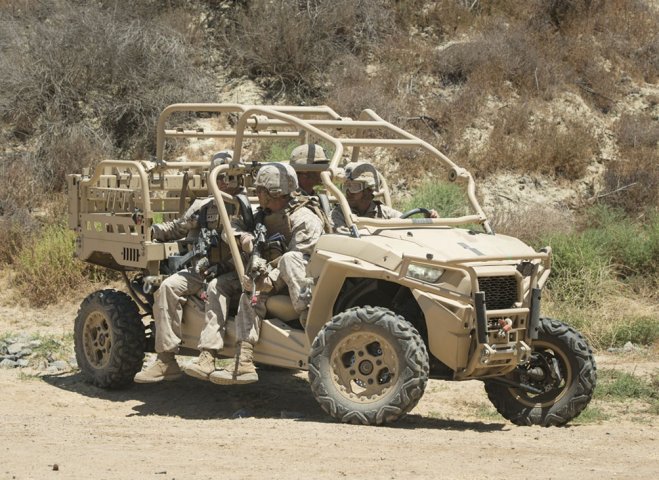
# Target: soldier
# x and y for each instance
(287, 217)
(360, 185)
(308, 161)
(170, 296)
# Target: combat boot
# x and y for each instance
(164, 368)
(243, 370)
(203, 367)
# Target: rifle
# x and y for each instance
(257, 265)
(198, 248)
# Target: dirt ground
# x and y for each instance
(58, 426)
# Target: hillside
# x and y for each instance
(553, 106)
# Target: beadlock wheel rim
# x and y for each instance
(552, 396)
(97, 339)
(364, 367)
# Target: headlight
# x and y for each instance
(424, 273)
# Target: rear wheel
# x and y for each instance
(562, 372)
(109, 339)
(368, 365)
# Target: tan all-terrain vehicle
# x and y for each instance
(394, 302)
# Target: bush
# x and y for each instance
(531, 223)
(448, 199)
(633, 247)
(46, 270)
(632, 181)
(70, 109)
(547, 147)
(582, 271)
(291, 46)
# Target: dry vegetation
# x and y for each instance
(485, 81)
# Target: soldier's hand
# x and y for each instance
(247, 242)
(263, 283)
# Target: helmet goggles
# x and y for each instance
(354, 186)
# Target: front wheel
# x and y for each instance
(561, 372)
(368, 365)
(109, 339)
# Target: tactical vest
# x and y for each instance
(209, 217)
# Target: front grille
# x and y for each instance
(500, 292)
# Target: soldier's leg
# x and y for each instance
(167, 316)
(168, 308)
(248, 329)
(293, 271)
(211, 340)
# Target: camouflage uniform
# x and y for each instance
(301, 228)
(375, 210)
(169, 298)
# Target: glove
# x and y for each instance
(263, 283)
(201, 266)
(258, 265)
(247, 242)
(151, 283)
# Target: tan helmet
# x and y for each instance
(278, 178)
(231, 177)
(222, 157)
(360, 175)
(308, 158)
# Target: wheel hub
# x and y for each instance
(364, 366)
(97, 340)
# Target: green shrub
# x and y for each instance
(582, 271)
(46, 270)
(632, 246)
(618, 385)
(448, 199)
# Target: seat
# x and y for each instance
(281, 307)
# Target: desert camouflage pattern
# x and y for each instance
(305, 230)
(277, 178)
(308, 157)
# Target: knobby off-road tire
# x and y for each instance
(109, 339)
(560, 351)
(369, 366)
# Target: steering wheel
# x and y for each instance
(414, 211)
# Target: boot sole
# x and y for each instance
(197, 374)
(240, 380)
(167, 378)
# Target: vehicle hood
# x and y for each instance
(386, 248)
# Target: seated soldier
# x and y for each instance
(170, 296)
(308, 161)
(359, 187)
(285, 215)
(361, 184)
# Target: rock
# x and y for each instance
(52, 370)
(6, 363)
(14, 348)
(3, 348)
(60, 365)
(22, 363)
(34, 343)
(8, 357)
(628, 347)
(26, 352)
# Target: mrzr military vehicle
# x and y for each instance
(394, 303)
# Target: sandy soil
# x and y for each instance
(60, 427)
